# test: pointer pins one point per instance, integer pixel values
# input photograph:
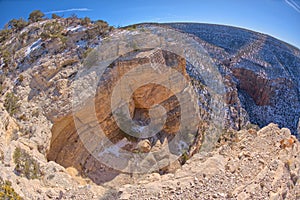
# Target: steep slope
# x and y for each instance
(264, 70)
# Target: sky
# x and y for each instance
(278, 18)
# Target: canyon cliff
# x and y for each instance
(253, 121)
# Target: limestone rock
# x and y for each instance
(221, 174)
(66, 146)
(261, 79)
(144, 146)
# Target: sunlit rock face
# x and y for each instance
(262, 73)
(67, 147)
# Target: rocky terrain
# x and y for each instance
(263, 72)
(43, 138)
(248, 165)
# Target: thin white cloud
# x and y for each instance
(68, 10)
(293, 4)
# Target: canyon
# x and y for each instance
(252, 119)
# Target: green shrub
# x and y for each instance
(25, 165)
(92, 33)
(5, 34)
(100, 28)
(36, 16)
(7, 192)
(45, 35)
(17, 24)
(21, 78)
(6, 55)
(55, 16)
(101, 24)
(11, 103)
(183, 158)
(52, 30)
(131, 27)
(85, 21)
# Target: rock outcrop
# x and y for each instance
(66, 136)
(40, 145)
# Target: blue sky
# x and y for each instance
(279, 18)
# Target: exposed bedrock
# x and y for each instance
(263, 71)
(67, 147)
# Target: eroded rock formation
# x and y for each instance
(66, 147)
(261, 79)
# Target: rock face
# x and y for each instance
(40, 145)
(264, 72)
(65, 135)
